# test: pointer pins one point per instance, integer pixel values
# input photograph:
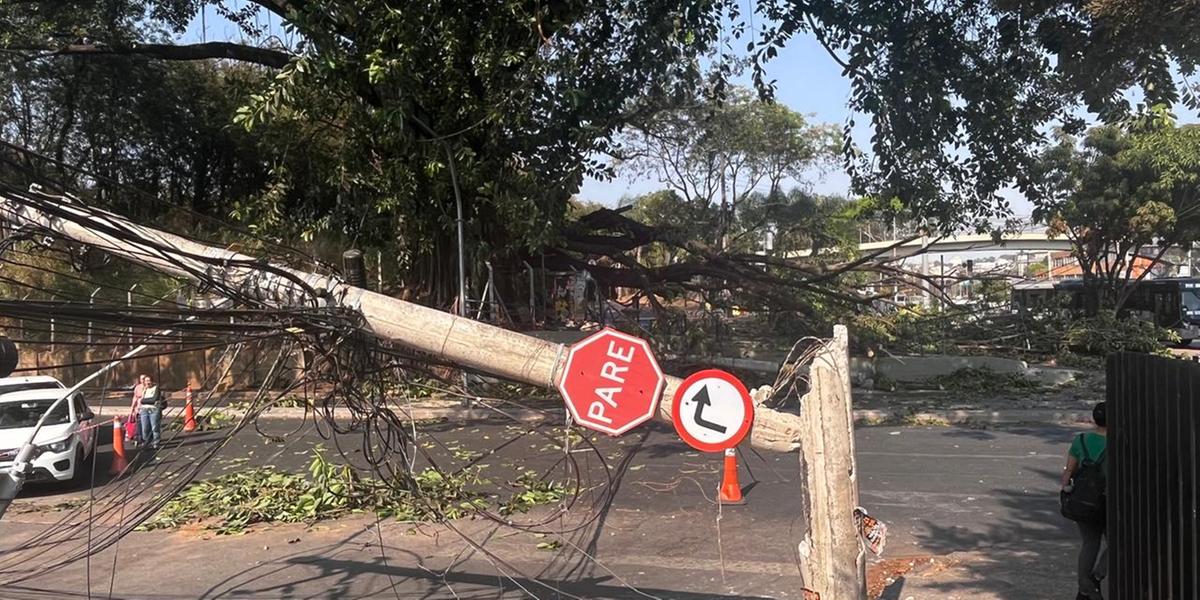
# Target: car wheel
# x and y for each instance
(82, 471)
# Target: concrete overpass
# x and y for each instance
(1028, 241)
(1012, 242)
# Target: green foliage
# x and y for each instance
(533, 491)
(236, 501)
(983, 381)
(230, 503)
(674, 216)
(993, 292)
(355, 130)
(1105, 333)
(1114, 193)
(906, 330)
(352, 132)
(714, 154)
(1070, 340)
(959, 93)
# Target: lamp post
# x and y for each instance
(129, 304)
(91, 304)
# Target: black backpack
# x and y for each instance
(1085, 502)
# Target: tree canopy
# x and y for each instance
(962, 94)
(720, 153)
(501, 103)
(380, 115)
(1117, 195)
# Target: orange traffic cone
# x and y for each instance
(731, 490)
(119, 463)
(189, 413)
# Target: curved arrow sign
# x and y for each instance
(712, 411)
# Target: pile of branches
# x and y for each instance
(606, 242)
(1044, 335)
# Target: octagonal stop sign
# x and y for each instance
(611, 382)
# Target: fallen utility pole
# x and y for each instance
(832, 556)
(831, 553)
(462, 341)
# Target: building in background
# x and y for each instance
(1063, 265)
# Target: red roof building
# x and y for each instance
(1064, 266)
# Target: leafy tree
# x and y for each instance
(1116, 195)
(499, 103)
(960, 93)
(161, 139)
(797, 220)
(667, 211)
(722, 152)
(507, 102)
(994, 291)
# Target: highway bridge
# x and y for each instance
(1024, 241)
(1027, 241)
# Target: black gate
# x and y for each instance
(1154, 423)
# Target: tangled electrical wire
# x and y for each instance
(351, 383)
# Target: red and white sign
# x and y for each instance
(611, 382)
(712, 410)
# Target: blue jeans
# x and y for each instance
(150, 425)
(1093, 562)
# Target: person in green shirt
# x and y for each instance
(1093, 564)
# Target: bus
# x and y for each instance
(1170, 302)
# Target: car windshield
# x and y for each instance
(8, 388)
(15, 415)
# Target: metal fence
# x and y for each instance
(1154, 423)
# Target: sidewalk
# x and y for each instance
(428, 409)
(454, 411)
(863, 417)
(1002, 575)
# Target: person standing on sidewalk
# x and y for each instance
(150, 412)
(1083, 484)
(134, 408)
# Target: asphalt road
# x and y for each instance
(940, 490)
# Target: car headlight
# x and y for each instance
(59, 446)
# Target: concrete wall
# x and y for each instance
(918, 369)
(198, 368)
(915, 369)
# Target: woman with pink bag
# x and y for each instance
(131, 422)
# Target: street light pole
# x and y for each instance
(91, 303)
(53, 327)
(129, 304)
(462, 260)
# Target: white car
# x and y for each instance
(66, 440)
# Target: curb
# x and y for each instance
(869, 417)
(862, 417)
(419, 413)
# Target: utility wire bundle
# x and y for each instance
(349, 380)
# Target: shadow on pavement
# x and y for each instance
(1018, 556)
(296, 577)
(1051, 435)
(101, 460)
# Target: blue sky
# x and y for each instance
(808, 82)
